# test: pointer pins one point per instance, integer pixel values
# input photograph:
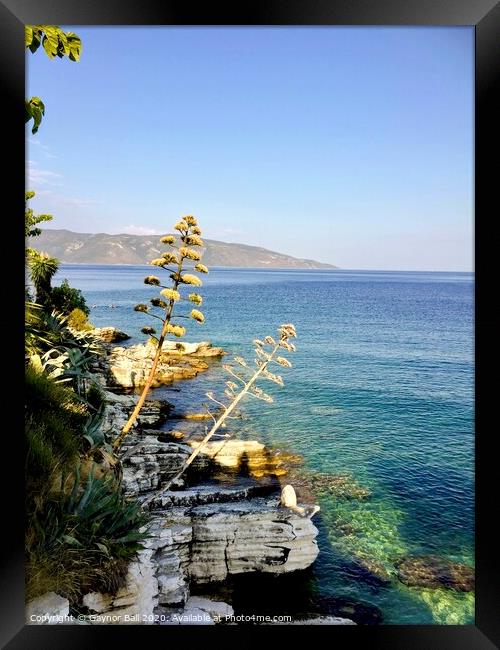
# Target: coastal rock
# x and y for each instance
(50, 608)
(110, 334)
(134, 602)
(247, 456)
(288, 499)
(119, 408)
(170, 543)
(147, 462)
(253, 535)
(206, 543)
(205, 494)
(97, 602)
(185, 616)
(432, 571)
(130, 367)
(317, 620)
(214, 608)
(202, 349)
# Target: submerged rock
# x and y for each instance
(309, 484)
(433, 571)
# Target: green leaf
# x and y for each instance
(103, 548)
(63, 48)
(28, 35)
(34, 109)
(49, 47)
(35, 41)
(75, 46)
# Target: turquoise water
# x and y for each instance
(381, 389)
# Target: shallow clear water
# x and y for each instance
(382, 389)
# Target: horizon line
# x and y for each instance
(285, 268)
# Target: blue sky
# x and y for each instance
(352, 146)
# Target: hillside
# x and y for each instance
(85, 248)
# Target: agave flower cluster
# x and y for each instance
(175, 261)
(267, 352)
(183, 250)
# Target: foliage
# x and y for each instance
(183, 251)
(54, 41)
(66, 299)
(77, 319)
(82, 541)
(32, 220)
(266, 352)
(34, 109)
(42, 268)
(54, 416)
(44, 331)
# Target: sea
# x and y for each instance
(381, 391)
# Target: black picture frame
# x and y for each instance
(485, 16)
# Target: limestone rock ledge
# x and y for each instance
(119, 407)
(130, 367)
(234, 537)
(256, 535)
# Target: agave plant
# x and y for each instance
(183, 253)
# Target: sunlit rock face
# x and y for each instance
(130, 367)
(252, 535)
(109, 334)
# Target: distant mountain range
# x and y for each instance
(86, 248)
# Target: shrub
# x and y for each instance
(77, 319)
(65, 299)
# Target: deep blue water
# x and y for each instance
(381, 389)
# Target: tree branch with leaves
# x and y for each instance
(55, 42)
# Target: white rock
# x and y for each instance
(50, 608)
(97, 602)
(229, 453)
(288, 497)
(216, 609)
(195, 616)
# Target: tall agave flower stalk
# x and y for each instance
(175, 262)
(267, 352)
